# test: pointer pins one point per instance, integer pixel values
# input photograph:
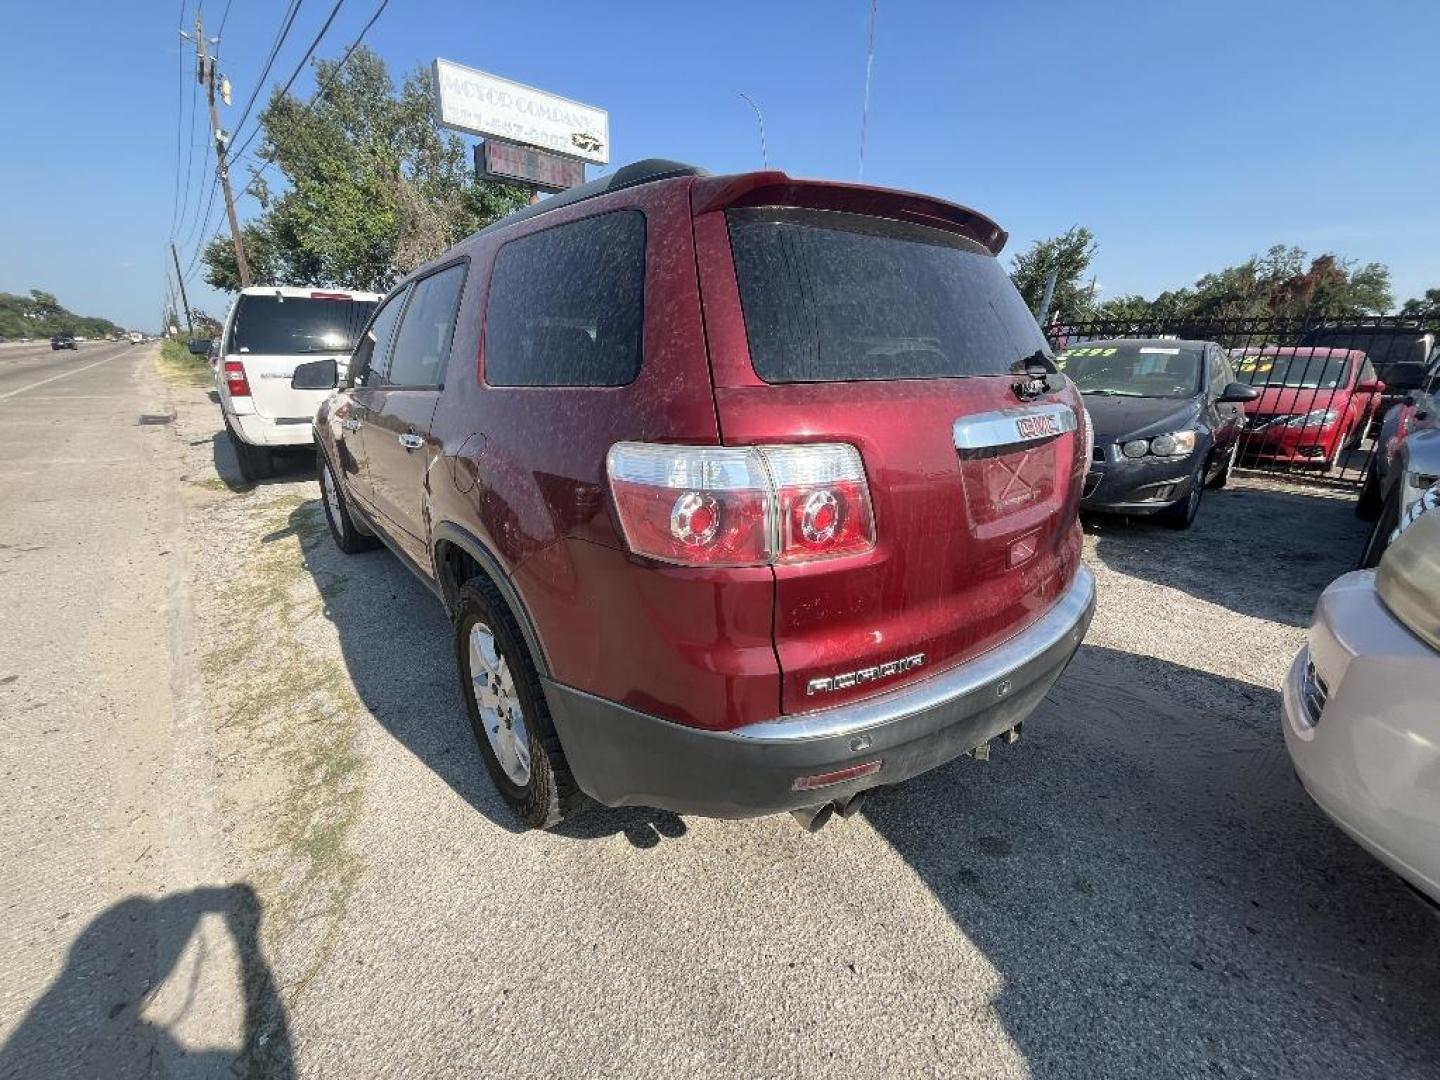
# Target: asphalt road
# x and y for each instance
(110, 894)
(24, 365)
(1139, 888)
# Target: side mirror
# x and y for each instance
(315, 375)
(1374, 386)
(1239, 392)
(199, 346)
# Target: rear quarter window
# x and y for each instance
(836, 297)
(566, 305)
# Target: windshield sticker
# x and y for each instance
(1160, 352)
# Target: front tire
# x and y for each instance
(1220, 479)
(348, 538)
(1370, 503)
(256, 462)
(508, 711)
(1379, 538)
(1181, 515)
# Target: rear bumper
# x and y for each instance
(266, 431)
(622, 757)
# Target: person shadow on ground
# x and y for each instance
(89, 1022)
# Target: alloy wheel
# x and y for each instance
(499, 707)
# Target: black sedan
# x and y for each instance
(63, 340)
(1167, 418)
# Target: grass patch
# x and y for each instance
(179, 366)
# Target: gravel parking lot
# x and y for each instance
(1138, 888)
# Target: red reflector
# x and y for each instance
(839, 776)
(329, 296)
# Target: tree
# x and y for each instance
(371, 188)
(39, 314)
(1069, 255)
(1424, 307)
(1128, 308)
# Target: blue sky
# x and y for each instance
(1186, 135)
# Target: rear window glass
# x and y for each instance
(567, 305)
(834, 297)
(287, 325)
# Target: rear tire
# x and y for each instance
(256, 462)
(1181, 515)
(534, 779)
(348, 538)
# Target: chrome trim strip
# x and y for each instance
(1061, 621)
(999, 428)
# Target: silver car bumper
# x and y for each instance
(1362, 725)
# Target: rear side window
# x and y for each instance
(371, 360)
(296, 325)
(423, 343)
(567, 305)
(834, 297)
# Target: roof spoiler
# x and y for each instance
(775, 188)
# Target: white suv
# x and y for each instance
(269, 330)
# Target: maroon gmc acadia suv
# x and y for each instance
(745, 493)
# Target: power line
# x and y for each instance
(869, 64)
(320, 92)
(300, 67)
(190, 154)
(287, 21)
(179, 125)
(223, 16)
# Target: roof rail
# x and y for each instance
(637, 172)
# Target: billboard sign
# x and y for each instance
(483, 104)
(512, 164)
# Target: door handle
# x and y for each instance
(411, 441)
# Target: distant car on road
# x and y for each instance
(1362, 710)
(136, 338)
(267, 332)
(1167, 416)
(64, 340)
(1314, 403)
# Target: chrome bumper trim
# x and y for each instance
(1066, 619)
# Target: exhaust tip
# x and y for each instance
(813, 818)
(853, 804)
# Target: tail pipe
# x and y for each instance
(814, 818)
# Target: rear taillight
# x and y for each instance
(741, 506)
(235, 380)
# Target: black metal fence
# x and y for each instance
(1321, 401)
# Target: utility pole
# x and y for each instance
(185, 299)
(205, 70)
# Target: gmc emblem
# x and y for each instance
(1037, 427)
